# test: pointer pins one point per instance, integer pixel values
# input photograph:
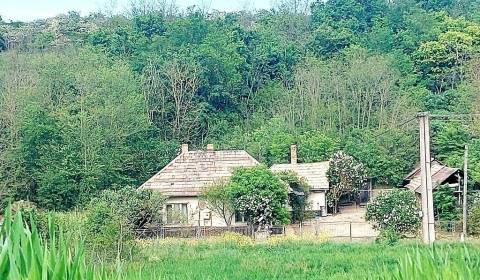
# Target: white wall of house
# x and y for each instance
(206, 216)
(318, 200)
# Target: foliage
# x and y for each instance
(445, 206)
(90, 102)
(315, 146)
(388, 236)
(396, 211)
(474, 220)
(298, 197)
(420, 263)
(346, 175)
(26, 256)
(260, 196)
(113, 216)
(217, 197)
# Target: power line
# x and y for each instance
(400, 125)
(453, 116)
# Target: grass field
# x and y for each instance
(25, 255)
(177, 259)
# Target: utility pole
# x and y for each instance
(428, 223)
(465, 184)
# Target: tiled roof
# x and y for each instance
(191, 171)
(440, 173)
(314, 173)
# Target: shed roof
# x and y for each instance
(440, 174)
(190, 171)
(314, 173)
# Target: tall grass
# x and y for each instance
(437, 263)
(25, 255)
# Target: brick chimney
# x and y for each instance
(293, 154)
(210, 147)
(184, 148)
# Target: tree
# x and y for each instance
(260, 196)
(346, 175)
(315, 146)
(298, 195)
(445, 206)
(218, 198)
(171, 95)
(113, 216)
(396, 211)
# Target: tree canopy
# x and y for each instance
(90, 102)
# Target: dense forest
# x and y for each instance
(103, 101)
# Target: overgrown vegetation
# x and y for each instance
(87, 103)
(395, 212)
(445, 206)
(26, 255)
(346, 175)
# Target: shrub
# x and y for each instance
(474, 220)
(112, 218)
(397, 211)
(444, 204)
(388, 237)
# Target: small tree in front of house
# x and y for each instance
(217, 196)
(395, 212)
(260, 196)
(346, 175)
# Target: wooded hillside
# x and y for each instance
(97, 102)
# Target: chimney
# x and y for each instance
(293, 154)
(210, 147)
(184, 148)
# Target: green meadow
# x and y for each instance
(24, 254)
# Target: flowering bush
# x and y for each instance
(346, 175)
(396, 211)
(259, 195)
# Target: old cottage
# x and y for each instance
(183, 179)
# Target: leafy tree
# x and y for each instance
(339, 22)
(315, 146)
(113, 216)
(396, 211)
(298, 196)
(346, 175)
(218, 198)
(444, 204)
(260, 196)
(441, 62)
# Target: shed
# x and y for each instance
(441, 174)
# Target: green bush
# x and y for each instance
(112, 218)
(388, 237)
(259, 195)
(395, 211)
(474, 220)
(444, 204)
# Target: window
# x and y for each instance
(177, 213)
(240, 218)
